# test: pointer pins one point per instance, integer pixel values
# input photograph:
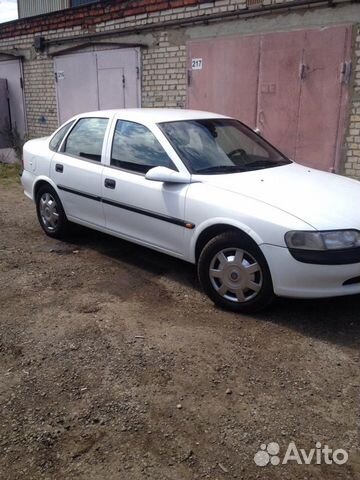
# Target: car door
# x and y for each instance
(142, 210)
(77, 169)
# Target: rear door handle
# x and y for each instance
(109, 183)
(59, 168)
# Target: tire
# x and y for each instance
(50, 212)
(233, 272)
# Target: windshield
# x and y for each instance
(213, 146)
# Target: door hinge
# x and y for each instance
(137, 73)
(123, 80)
(346, 70)
(189, 78)
(21, 83)
(56, 76)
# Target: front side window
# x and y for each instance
(86, 139)
(58, 137)
(220, 146)
(136, 148)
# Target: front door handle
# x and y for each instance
(109, 183)
(59, 168)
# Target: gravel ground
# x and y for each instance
(114, 365)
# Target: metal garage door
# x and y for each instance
(97, 81)
(4, 114)
(11, 70)
(293, 86)
(324, 97)
(219, 68)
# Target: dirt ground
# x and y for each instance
(113, 365)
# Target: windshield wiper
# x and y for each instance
(264, 164)
(221, 169)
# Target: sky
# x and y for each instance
(8, 10)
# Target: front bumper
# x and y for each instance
(292, 278)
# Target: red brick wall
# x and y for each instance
(88, 15)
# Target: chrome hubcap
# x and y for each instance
(236, 275)
(48, 211)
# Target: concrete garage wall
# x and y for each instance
(162, 29)
(352, 159)
(40, 96)
(164, 73)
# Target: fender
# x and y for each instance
(219, 221)
(43, 178)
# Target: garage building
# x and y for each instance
(290, 69)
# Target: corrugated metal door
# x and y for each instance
(290, 81)
(323, 97)
(97, 81)
(223, 76)
(11, 70)
(29, 8)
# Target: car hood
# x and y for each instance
(324, 200)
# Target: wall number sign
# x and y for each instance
(196, 64)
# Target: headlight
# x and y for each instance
(329, 240)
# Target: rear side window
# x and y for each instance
(86, 139)
(137, 149)
(58, 137)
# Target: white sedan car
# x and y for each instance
(207, 189)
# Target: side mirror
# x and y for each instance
(166, 175)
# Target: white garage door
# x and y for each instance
(97, 81)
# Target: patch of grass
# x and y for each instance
(9, 173)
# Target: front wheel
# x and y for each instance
(234, 273)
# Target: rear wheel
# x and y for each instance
(234, 274)
(50, 212)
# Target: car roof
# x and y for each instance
(153, 115)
